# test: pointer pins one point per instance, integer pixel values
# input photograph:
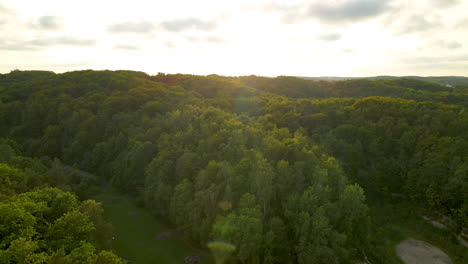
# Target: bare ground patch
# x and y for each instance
(413, 251)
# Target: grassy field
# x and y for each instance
(135, 230)
(395, 221)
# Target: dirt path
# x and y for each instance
(413, 251)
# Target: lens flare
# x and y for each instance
(221, 250)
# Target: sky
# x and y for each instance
(237, 37)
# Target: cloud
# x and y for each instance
(185, 24)
(6, 11)
(170, 44)
(126, 47)
(141, 27)
(57, 67)
(39, 43)
(454, 45)
(331, 12)
(329, 37)
(347, 11)
(417, 23)
(178, 25)
(435, 60)
(445, 44)
(5, 15)
(445, 3)
(212, 39)
(61, 41)
(49, 23)
(67, 65)
(461, 24)
(289, 14)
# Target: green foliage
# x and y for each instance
(106, 257)
(7, 150)
(23, 250)
(354, 219)
(262, 163)
(48, 225)
(73, 226)
(84, 253)
(11, 180)
(95, 213)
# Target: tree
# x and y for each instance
(83, 254)
(95, 213)
(180, 202)
(354, 219)
(263, 176)
(243, 229)
(69, 229)
(15, 222)
(11, 180)
(106, 257)
(25, 251)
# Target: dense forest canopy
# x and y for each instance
(44, 224)
(443, 80)
(282, 168)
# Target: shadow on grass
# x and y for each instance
(135, 230)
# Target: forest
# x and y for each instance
(287, 170)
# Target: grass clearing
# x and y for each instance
(135, 231)
(414, 251)
(395, 221)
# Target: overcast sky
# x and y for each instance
(238, 37)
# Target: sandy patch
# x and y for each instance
(435, 223)
(418, 252)
(462, 241)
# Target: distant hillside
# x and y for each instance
(406, 88)
(444, 80)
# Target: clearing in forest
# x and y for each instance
(135, 230)
(413, 251)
